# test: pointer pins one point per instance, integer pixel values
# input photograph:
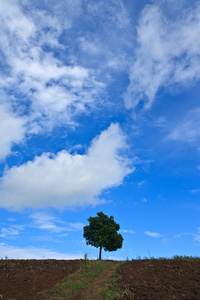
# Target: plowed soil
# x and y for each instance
(160, 279)
(139, 279)
(26, 279)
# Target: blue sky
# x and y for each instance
(99, 111)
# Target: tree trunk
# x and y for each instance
(100, 253)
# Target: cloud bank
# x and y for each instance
(65, 180)
(34, 253)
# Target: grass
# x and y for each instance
(175, 257)
(186, 257)
(114, 291)
(6, 257)
(71, 285)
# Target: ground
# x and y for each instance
(161, 279)
(25, 279)
(137, 279)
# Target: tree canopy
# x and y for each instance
(102, 232)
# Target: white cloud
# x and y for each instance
(43, 74)
(168, 54)
(187, 130)
(164, 241)
(34, 253)
(153, 234)
(44, 221)
(102, 49)
(12, 130)
(112, 13)
(141, 183)
(53, 90)
(195, 191)
(128, 231)
(197, 236)
(66, 180)
(75, 226)
(9, 233)
(48, 222)
(12, 252)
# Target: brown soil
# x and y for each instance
(25, 279)
(140, 279)
(160, 279)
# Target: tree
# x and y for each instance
(102, 233)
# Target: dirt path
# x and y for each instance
(99, 286)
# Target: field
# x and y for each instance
(84, 279)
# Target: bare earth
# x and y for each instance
(25, 279)
(140, 279)
(161, 279)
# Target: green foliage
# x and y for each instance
(185, 257)
(87, 262)
(6, 257)
(102, 232)
(138, 257)
(114, 289)
(175, 257)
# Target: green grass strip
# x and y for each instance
(72, 284)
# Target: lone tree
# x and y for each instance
(102, 232)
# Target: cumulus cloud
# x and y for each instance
(53, 90)
(168, 54)
(41, 70)
(66, 180)
(153, 234)
(12, 130)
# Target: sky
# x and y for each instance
(99, 111)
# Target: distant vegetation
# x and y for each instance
(173, 257)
